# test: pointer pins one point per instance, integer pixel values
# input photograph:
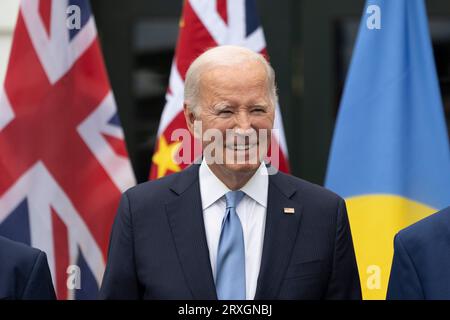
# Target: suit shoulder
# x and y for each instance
(160, 190)
(172, 181)
(321, 208)
(150, 187)
(308, 189)
(435, 227)
(17, 255)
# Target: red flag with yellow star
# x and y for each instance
(205, 24)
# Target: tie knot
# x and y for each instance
(233, 198)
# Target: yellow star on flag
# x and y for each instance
(164, 158)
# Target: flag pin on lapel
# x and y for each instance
(289, 210)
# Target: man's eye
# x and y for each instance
(258, 110)
(225, 112)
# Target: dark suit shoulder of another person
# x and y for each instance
(421, 264)
(24, 272)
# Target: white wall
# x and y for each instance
(8, 16)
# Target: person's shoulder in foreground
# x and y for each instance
(318, 263)
(24, 272)
(421, 263)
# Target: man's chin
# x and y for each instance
(242, 168)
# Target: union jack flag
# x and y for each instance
(205, 24)
(63, 160)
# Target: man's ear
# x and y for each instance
(190, 118)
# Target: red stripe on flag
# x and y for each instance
(117, 144)
(283, 164)
(193, 40)
(61, 247)
(222, 9)
(265, 54)
(45, 9)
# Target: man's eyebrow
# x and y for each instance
(221, 106)
(225, 105)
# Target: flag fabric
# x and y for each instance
(205, 24)
(63, 161)
(390, 156)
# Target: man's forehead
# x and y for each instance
(251, 68)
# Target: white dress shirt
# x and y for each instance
(251, 211)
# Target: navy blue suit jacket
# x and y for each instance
(24, 272)
(158, 247)
(421, 264)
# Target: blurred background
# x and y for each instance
(310, 44)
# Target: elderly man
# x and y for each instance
(226, 229)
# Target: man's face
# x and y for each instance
(234, 99)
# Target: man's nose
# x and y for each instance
(243, 120)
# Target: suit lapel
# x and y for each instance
(279, 237)
(186, 221)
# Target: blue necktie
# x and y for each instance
(230, 271)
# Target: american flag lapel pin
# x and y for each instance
(289, 210)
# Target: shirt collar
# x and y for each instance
(212, 188)
(258, 185)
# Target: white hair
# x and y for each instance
(223, 56)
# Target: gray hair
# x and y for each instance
(223, 56)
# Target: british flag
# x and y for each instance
(205, 24)
(63, 160)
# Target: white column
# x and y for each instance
(8, 16)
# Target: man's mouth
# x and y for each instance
(241, 147)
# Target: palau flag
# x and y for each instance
(390, 156)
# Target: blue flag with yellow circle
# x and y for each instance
(390, 156)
